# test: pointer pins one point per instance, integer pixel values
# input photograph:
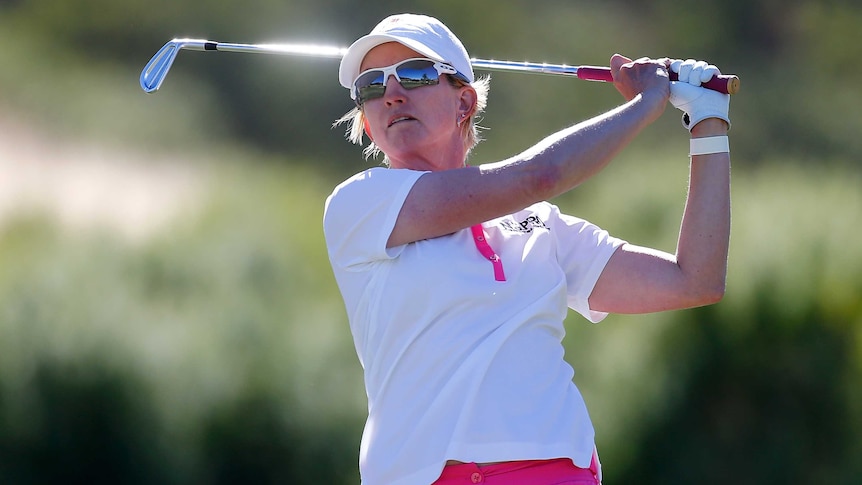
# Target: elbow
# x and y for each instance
(714, 294)
(704, 284)
(709, 293)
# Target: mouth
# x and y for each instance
(399, 119)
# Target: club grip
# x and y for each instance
(723, 83)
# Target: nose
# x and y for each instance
(394, 92)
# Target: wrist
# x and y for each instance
(649, 106)
(709, 127)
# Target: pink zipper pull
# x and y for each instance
(485, 249)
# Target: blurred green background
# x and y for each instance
(168, 315)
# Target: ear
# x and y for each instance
(368, 129)
(467, 102)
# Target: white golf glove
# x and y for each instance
(697, 103)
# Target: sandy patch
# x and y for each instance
(86, 186)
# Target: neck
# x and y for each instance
(454, 156)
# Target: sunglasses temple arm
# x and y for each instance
(724, 83)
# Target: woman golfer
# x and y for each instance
(457, 279)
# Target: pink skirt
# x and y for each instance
(560, 471)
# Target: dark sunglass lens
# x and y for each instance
(369, 86)
(370, 92)
(418, 73)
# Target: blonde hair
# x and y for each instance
(355, 120)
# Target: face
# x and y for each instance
(416, 128)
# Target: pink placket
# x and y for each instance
(487, 251)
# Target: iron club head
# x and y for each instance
(155, 71)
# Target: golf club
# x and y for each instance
(156, 70)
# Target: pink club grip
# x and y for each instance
(724, 83)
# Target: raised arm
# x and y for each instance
(445, 201)
(640, 280)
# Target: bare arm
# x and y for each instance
(446, 201)
(640, 280)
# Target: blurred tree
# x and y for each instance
(83, 423)
(759, 403)
(250, 442)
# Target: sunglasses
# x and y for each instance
(410, 73)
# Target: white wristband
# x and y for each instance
(712, 144)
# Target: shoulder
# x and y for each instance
(358, 178)
(377, 190)
(375, 179)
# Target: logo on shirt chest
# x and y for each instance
(524, 227)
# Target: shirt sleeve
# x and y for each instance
(360, 214)
(583, 250)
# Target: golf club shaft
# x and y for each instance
(156, 70)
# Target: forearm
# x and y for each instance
(704, 236)
(569, 157)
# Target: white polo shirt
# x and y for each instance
(458, 365)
